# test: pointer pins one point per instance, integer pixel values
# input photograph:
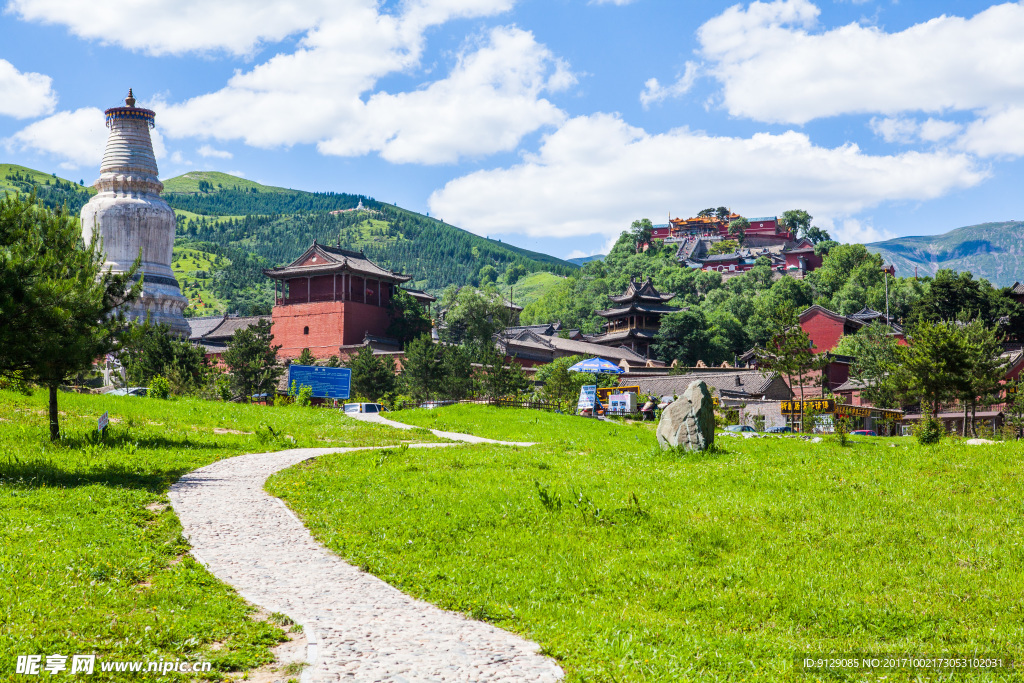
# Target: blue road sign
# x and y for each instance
(325, 382)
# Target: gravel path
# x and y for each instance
(358, 627)
(467, 438)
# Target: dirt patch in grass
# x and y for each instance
(223, 430)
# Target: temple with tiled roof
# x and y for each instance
(635, 319)
(331, 297)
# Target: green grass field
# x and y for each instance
(91, 559)
(631, 564)
(533, 286)
(194, 270)
(189, 182)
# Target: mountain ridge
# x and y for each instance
(994, 251)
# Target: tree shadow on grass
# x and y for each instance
(118, 461)
(46, 474)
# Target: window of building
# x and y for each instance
(305, 330)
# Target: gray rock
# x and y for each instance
(689, 422)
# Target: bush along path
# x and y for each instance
(358, 627)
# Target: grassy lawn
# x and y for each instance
(533, 286)
(512, 424)
(630, 564)
(91, 559)
(188, 263)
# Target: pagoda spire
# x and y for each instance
(130, 216)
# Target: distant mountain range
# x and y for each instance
(586, 259)
(994, 251)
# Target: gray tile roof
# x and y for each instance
(229, 326)
(731, 382)
(200, 326)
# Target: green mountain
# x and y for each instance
(230, 229)
(253, 226)
(994, 251)
(51, 191)
(581, 260)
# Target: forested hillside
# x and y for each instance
(252, 226)
(719, 320)
(50, 190)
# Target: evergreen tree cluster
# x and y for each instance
(433, 253)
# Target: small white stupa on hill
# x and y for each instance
(129, 215)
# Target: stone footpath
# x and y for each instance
(358, 627)
(466, 438)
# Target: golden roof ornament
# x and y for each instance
(130, 100)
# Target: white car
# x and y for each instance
(364, 408)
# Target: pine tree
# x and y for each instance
(372, 376)
(58, 307)
(421, 371)
(252, 359)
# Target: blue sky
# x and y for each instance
(550, 124)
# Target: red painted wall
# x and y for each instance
(812, 260)
(823, 331)
(330, 324)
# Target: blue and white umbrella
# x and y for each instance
(597, 365)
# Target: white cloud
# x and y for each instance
(163, 27)
(77, 138)
(491, 98)
(907, 130)
(895, 129)
(239, 27)
(598, 174)
(934, 130)
(487, 104)
(324, 91)
(853, 231)
(655, 92)
(1000, 133)
(208, 151)
(774, 67)
(24, 95)
(178, 159)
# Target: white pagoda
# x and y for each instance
(130, 216)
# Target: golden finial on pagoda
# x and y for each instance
(130, 100)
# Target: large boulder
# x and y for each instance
(689, 421)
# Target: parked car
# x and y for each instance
(364, 408)
(129, 391)
(785, 429)
(863, 432)
(740, 428)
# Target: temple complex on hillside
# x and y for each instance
(634, 322)
(332, 297)
(130, 217)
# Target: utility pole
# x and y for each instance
(887, 297)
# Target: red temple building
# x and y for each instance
(332, 297)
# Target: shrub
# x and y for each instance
(841, 431)
(159, 387)
(929, 431)
(305, 397)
